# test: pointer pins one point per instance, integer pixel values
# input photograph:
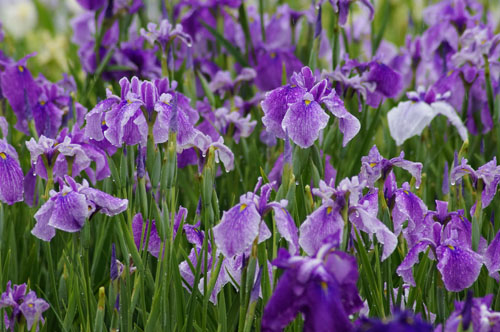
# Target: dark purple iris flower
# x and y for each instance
(20, 90)
(403, 321)
(92, 5)
(296, 107)
(69, 208)
(24, 305)
(321, 287)
(243, 223)
(372, 80)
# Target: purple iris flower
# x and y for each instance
(243, 223)
(475, 313)
(372, 80)
(49, 153)
(403, 321)
(374, 167)
(11, 174)
(449, 237)
(327, 222)
(410, 118)
(321, 287)
(95, 153)
(20, 89)
(489, 174)
(24, 305)
(154, 244)
(69, 208)
(296, 107)
(165, 34)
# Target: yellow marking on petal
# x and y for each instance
(129, 101)
(406, 192)
(64, 194)
(30, 305)
(293, 86)
(324, 285)
(103, 123)
(307, 102)
(450, 72)
(451, 247)
(373, 164)
(42, 102)
(21, 68)
(483, 41)
(329, 210)
(273, 55)
(3, 155)
(243, 207)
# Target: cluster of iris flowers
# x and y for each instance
(268, 121)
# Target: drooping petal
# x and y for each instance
(441, 107)
(304, 120)
(404, 269)
(42, 229)
(459, 266)
(286, 227)
(409, 119)
(492, 257)
(70, 211)
(324, 222)
(368, 223)
(275, 106)
(11, 179)
(237, 230)
(108, 204)
(349, 125)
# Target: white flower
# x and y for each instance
(410, 118)
(18, 17)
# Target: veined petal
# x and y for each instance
(492, 257)
(404, 269)
(349, 125)
(42, 230)
(304, 120)
(11, 179)
(237, 230)
(409, 119)
(441, 107)
(459, 266)
(70, 211)
(108, 204)
(324, 222)
(286, 227)
(368, 223)
(275, 106)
